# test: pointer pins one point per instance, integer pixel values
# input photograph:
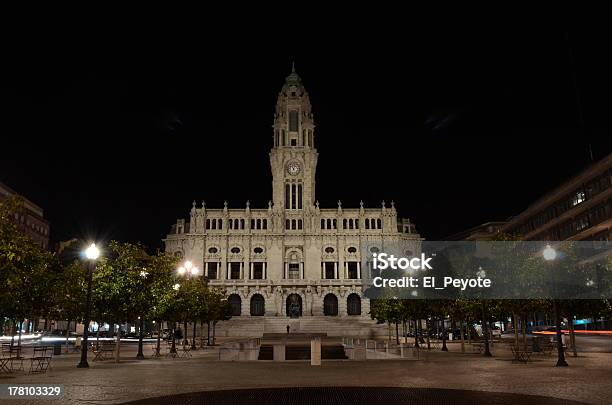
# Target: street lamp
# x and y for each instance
(188, 270)
(140, 355)
(91, 253)
(485, 322)
(550, 254)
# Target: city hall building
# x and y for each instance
(292, 259)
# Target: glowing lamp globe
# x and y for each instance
(188, 265)
(92, 252)
(181, 270)
(549, 253)
(194, 271)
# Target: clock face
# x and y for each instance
(293, 168)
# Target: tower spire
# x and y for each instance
(293, 67)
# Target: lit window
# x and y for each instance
(578, 198)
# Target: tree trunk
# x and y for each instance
(213, 332)
(570, 324)
(524, 329)
(13, 330)
(207, 333)
(416, 332)
(159, 332)
(397, 342)
(462, 337)
(193, 336)
(427, 326)
(20, 328)
(67, 334)
(469, 331)
(515, 326)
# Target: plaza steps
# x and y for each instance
(332, 325)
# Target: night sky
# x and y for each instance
(115, 136)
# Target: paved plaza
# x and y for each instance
(586, 380)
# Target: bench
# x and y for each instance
(477, 347)
(520, 355)
(104, 351)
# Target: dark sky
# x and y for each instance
(115, 136)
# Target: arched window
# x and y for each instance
(344, 224)
(322, 224)
(353, 304)
(258, 305)
(329, 224)
(378, 224)
(334, 224)
(220, 224)
(265, 224)
(330, 305)
(235, 303)
(299, 224)
(367, 223)
(294, 306)
(242, 224)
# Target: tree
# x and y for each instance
(25, 279)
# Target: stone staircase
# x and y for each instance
(332, 325)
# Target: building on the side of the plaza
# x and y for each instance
(30, 219)
(480, 232)
(578, 209)
(292, 258)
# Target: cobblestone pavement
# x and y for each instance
(586, 380)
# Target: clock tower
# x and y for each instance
(293, 157)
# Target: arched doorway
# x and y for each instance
(294, 306)
(235, 303)
(258, 305)
(353, 304)
(330, 305)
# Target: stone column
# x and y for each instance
(315, 351)
(336, 270)
(278, 352)
(302, 270)
(359, 270)
(251, 271)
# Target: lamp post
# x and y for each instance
(173, 347)
(91, 253)
(187, 270)
(140, 354)
(485, 322)
(550, 254)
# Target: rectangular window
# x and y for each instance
(287, 196)
(352, 269)
(329, 270)
(299, 195)
(211, 270)
(293, 120)
(235, 270)
(258, 270)
(294, 271)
